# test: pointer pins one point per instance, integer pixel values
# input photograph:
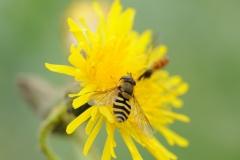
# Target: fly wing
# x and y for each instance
(103, 98)
(141, 119)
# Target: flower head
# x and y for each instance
(99, 60)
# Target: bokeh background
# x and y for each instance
(203, 38)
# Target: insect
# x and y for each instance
(147, 74)
(156, 66)
(123, 100)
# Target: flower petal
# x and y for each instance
(131, 146)
(126, 21)
(78, 33)
(105, 111)
(182, 89)
(101, 17)
(92, 136)
(176, 102)
(114, 14)
(144, 41)
(61, 69)
(106, 151)
(78, 102)
(112, 143)
(78, 121)
(94, 117)
(84, 94)
(85, 90)
(173, 138)
(158, 150)
(177, 116)
(76, 57)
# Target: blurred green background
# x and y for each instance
(203, 38)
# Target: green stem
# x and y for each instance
(54, 118)
(48, 125)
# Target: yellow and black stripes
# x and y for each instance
(121, 108)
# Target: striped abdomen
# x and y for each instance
(121, 108)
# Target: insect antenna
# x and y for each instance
(129, 73)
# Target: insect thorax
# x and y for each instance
(126, 90)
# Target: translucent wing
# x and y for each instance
(103, 98)
(141, 119)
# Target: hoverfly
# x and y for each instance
(156, 66)
(124, 102)
(121, 95)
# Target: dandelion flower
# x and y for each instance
(99, 60)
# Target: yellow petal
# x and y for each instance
(78, 33)
(94, 117)
(112, 143)
(158, 150)
(175, 80)
(173, 138)
(78, 121)
(84, 94)
(135, 132)
(95, 114)
(176, 102)
(92, 136)
(105, 111)
(92, 38)
(131, 146)
(101, 18)
(86, 90)
(182, 89)
(84, 24)
(109, 129)
(126, 21)
(177, 116)
(106, 151)
(78, 102)
(163, 50)
(76, 57)
(114, 13)
(144, 41)
(61, 69)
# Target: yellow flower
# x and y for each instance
(99, 60)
